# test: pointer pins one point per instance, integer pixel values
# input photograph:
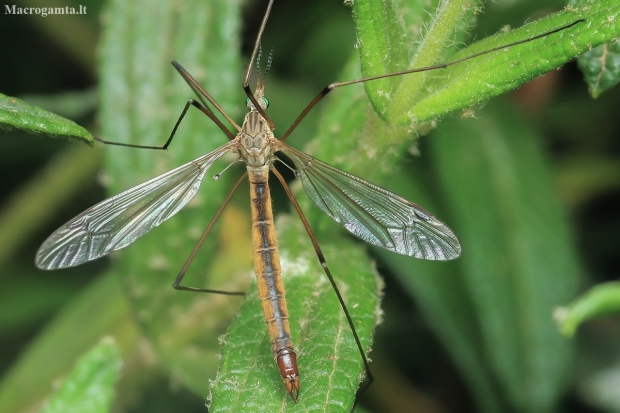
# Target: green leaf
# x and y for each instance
(90, 386)
(601, 300)
(385, 45)
(416, 99)
(329, 361)
(16, 114)
(601, 67)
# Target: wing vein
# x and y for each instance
(374, 214)
(118, 221)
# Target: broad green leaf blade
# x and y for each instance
(90, 386)
(601, 300)
(601, 67)
(142, 97)
(15, 114)
(518, 261)
(329, 361)
(440, 289)
(477, 80)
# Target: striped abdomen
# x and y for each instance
(269, 277)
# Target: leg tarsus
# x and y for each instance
(206, 290)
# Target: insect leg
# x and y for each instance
(192, 102)
(200, 93)
(177, 282)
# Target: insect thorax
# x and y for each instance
(255, 140)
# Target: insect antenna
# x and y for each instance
(269, 62)
(255, 52)
(258, 58)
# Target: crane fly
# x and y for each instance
(369, 212)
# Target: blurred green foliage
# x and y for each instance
(601, 300)
(529, 183)
(601, 67)
(90, 386)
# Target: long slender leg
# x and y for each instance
(200, 91)
(191, 102)
(323, 262)
(259, 36)
(177, 282)
(333, 86)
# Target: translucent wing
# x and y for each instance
(373, 214)
(118, 221)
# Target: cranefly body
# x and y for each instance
(255, 148)
(373, 214)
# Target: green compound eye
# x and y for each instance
(247, 102)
